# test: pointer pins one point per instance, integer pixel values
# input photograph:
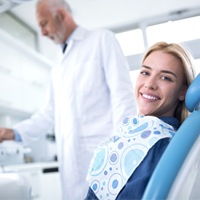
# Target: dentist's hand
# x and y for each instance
(6, 134)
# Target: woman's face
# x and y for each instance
(159, 86)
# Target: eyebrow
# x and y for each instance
(163, 71)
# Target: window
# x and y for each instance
(185, 31)
(131, 42)
(174, 31)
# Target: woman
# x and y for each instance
(122, 166)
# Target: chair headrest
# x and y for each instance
(192, 99)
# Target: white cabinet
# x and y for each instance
(24, 75)
(43, 178)
(50, 186)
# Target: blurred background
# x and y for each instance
(27, 58)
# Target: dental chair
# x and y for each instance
(177, 175)
(14, 187)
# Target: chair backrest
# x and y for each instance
(177, 175)
(14, 187)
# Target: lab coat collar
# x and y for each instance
(78, 33)
(74, 35)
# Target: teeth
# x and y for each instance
(149, 97)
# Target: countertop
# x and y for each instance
(44, 166)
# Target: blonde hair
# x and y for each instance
(187, 62)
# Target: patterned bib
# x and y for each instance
(115, 160)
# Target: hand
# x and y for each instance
(6, 134)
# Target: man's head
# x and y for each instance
(55, 19)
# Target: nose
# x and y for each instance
(151, 83)
(44, 31)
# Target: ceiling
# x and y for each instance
(112, 14)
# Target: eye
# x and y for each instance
(166, 78)
(145, 73)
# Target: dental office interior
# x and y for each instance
(27, 58)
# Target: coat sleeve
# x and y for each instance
(40, 122)
(118, 79)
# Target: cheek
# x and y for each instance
(138, 82)
(53, 27)
(137, 86)
(171, 93)
(54, 30)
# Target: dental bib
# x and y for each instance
(115, 160)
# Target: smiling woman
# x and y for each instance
(166, 73)
(160, 79)
(164, 77)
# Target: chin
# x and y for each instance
(146, 113)
(56, 42)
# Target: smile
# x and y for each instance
(150, 97)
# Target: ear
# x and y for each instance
(61, 14)
(183, 93)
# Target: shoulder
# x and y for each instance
(157, 150)
(140, 177)
(101, 33)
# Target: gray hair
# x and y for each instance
(55, 4)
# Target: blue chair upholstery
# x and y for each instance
(177, 175)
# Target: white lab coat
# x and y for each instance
(90, 93)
